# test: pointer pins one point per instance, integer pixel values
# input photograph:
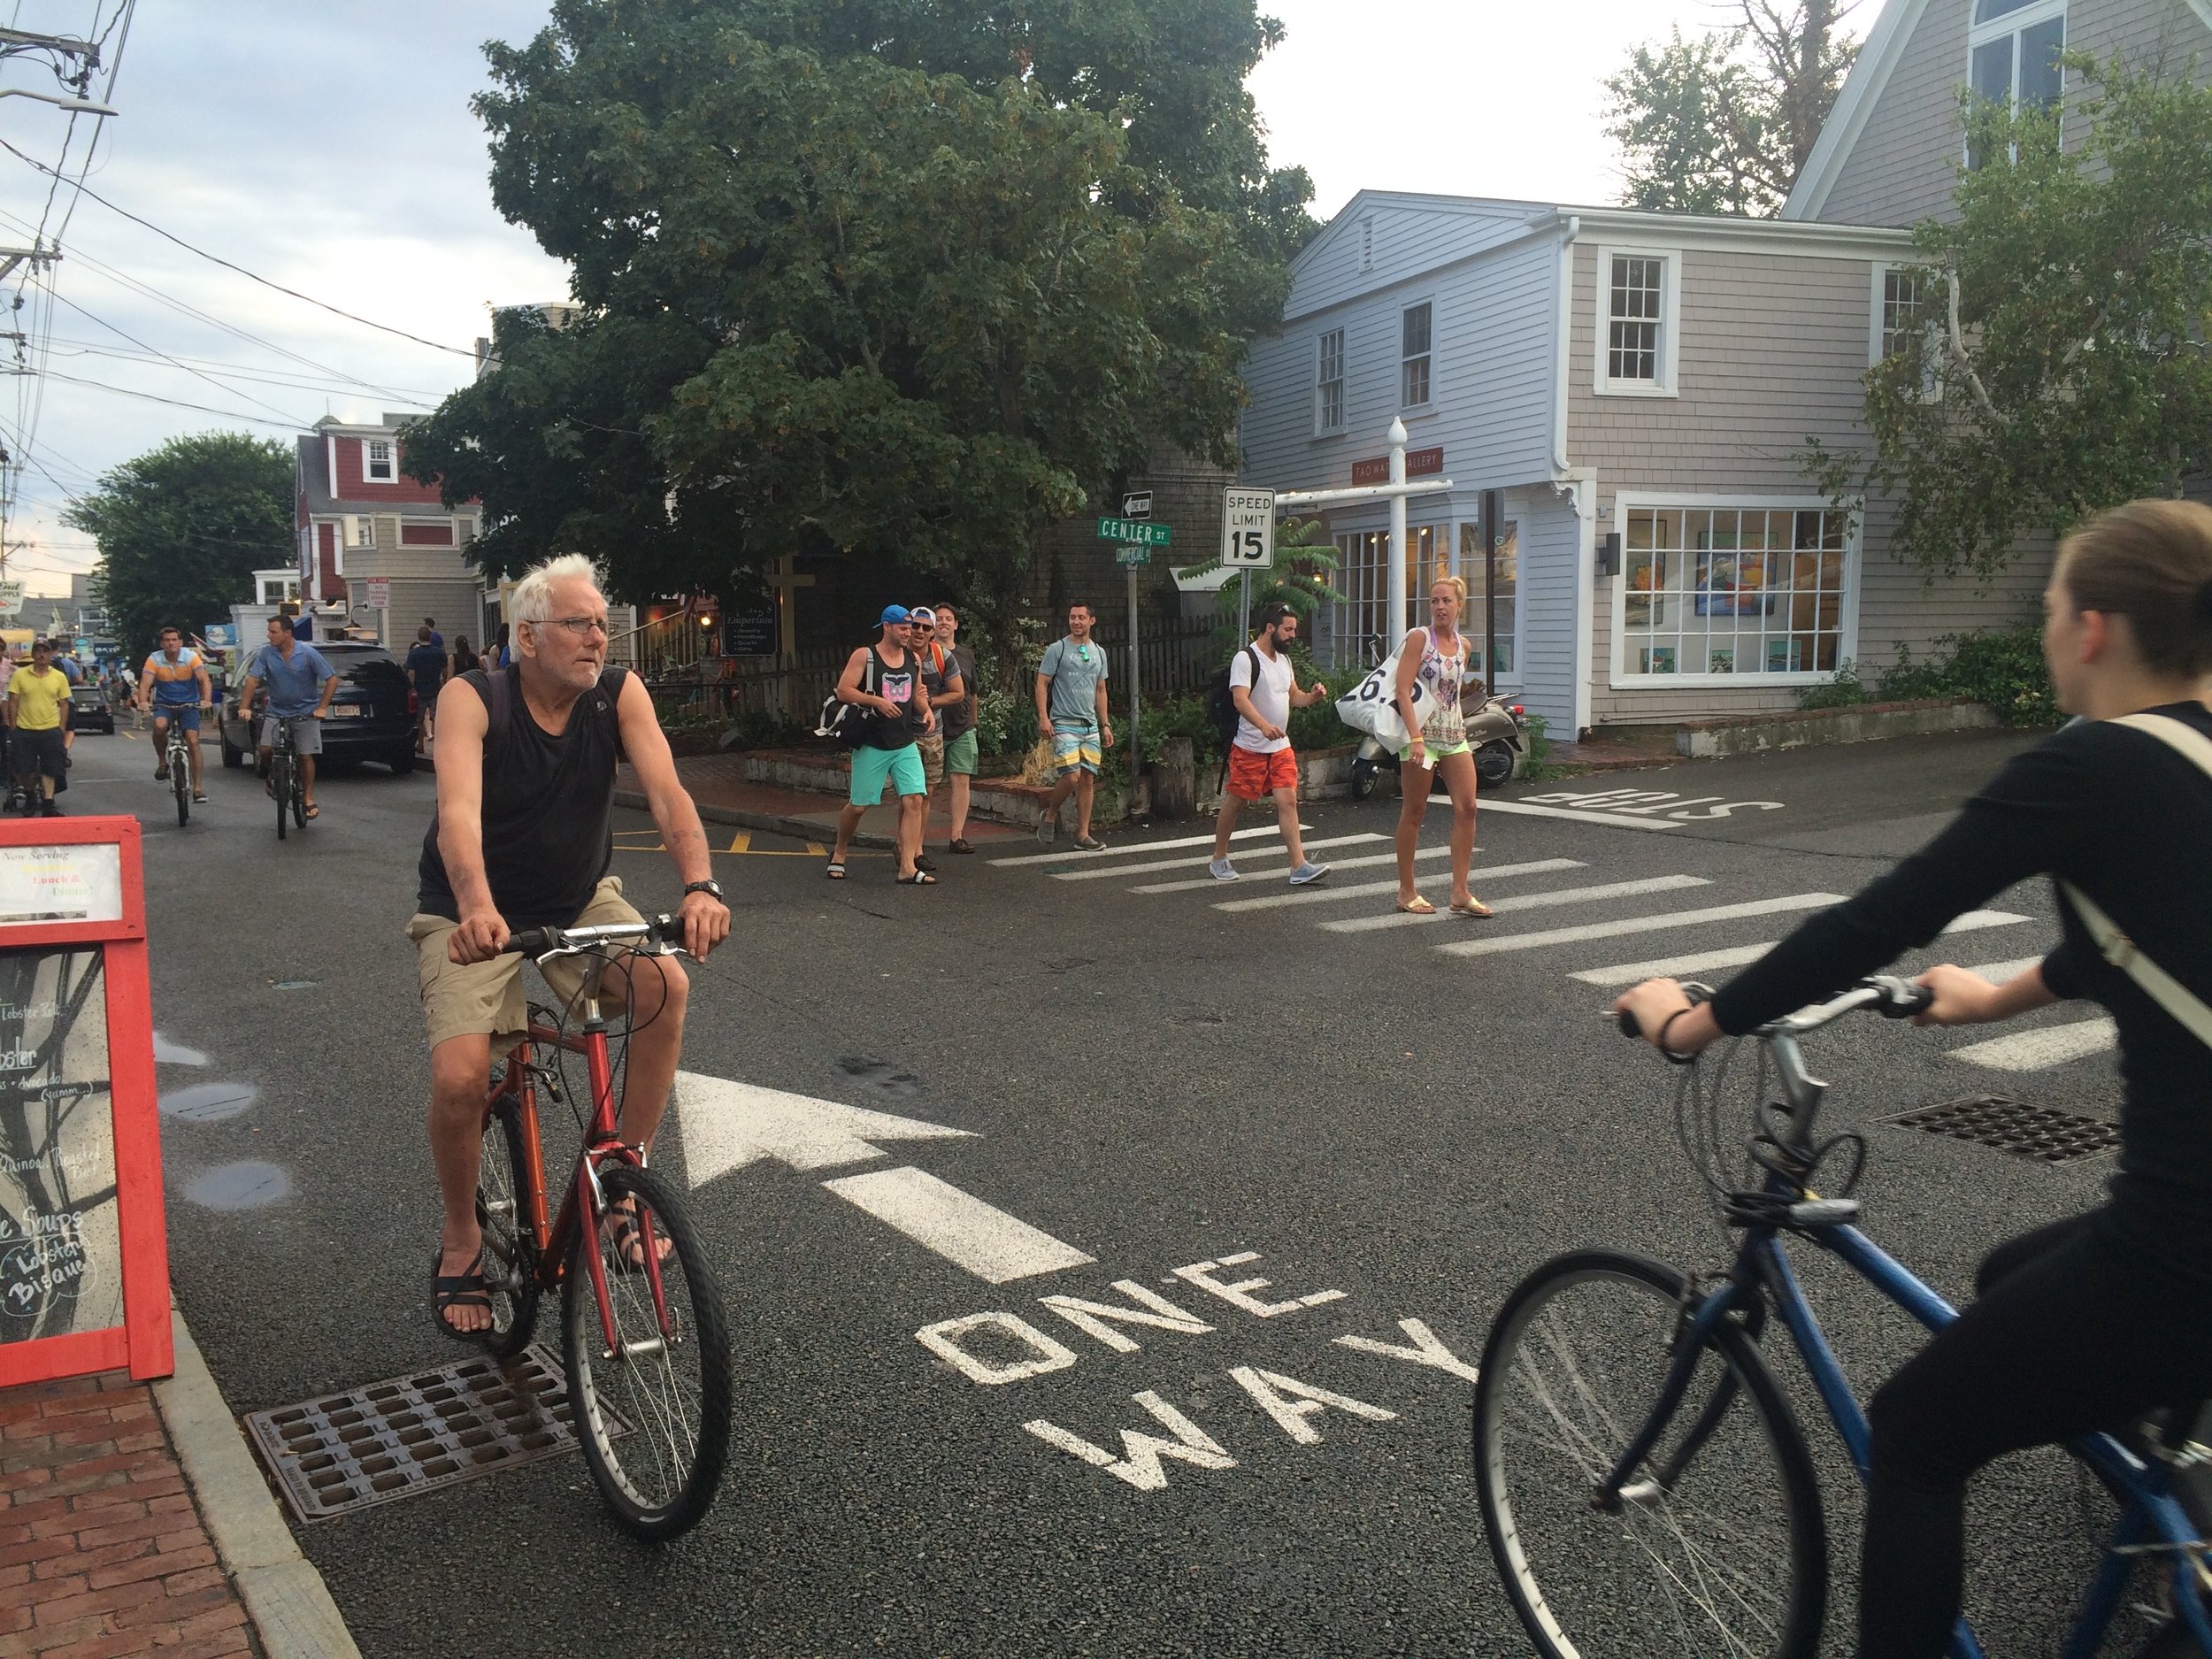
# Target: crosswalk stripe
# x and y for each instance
(1110, 871)
(1376, 889)
(1123, 849)
(1201, 882)
(1998, 972)
(2045, 1046)
(1524, 901)
(1737, 955)
(1498, 943)
(1614, 819)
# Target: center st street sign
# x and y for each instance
(1136, 532)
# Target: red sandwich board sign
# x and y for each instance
(84, 1253)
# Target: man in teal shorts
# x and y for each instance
(1071, 705)
(884, 681)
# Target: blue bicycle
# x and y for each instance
(1644, 1484)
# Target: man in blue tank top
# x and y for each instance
(523, 837)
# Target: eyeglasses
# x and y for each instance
(922, 625)
(581, 626)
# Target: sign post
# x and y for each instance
(84, 1257)
(1136, 507)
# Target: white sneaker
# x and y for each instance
(1308, 871)
(1222, 870)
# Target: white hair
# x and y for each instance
(532, 597)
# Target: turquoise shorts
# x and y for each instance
(872, 766)
(960, 754)
(1076, 748)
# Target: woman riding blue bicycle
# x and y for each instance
(2090, 1324)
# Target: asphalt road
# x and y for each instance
(1153, 1082)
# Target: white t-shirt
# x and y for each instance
(1270, 697)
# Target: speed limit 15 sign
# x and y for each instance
(1248, 528)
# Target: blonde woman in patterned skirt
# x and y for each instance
(1435, 658)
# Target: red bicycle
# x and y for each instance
(642, 1331)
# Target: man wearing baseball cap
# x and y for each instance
(884, 681)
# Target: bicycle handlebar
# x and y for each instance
(1891, 997)
(660, 936)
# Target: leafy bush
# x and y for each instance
(1846, 690)
(1538, 762)
(765, 728)
(2003, 668)
(1005, 723)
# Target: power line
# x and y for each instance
(414, 398)
(125, 391)
(142, 346)
(336, 310)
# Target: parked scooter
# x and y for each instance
(1495, 731)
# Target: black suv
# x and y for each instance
(372, 713)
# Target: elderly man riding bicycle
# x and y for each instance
(522, 837)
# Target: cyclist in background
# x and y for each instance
(294, 670)
(2089, 1324)
(175, 683)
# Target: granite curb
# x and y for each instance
(285, 1599)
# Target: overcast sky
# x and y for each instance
(329, 147)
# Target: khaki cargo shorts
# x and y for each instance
(487, 996)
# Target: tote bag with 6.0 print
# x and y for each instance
(1372, 706)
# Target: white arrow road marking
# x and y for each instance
(1579, 818)
(727, 1126)
(2047, 1046)
(966, 1231)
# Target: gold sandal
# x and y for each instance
(1477, 909)
(1419, 907)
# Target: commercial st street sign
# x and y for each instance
(1137, 531)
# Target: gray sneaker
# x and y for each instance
(1222, 870)
(1090, 844)
(1048, 829)
(1307, 873)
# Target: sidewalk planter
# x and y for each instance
(1750, 734)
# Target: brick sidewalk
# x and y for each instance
(102, 1552)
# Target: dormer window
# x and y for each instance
(376, 461)
(2013, 52)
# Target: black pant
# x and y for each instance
(2072, 1332)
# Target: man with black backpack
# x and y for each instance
(889, 710)
(1262, 689)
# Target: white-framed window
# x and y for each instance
(378, 463)
(2012, 52)
(1639, 316)
(1715, 591)
(360, 530)
(1362, 619)
(1899, 312)
(1475, 623)
(1328, 383)
(1416, 333)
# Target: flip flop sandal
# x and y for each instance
(314, 812)
(920, 879)
(1477, 910)
(468, 1289)
(835, 872)
(1419, 907)
(959, 844)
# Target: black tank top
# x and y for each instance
(548, 807)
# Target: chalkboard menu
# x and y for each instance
(61, 1260)
(748, 633)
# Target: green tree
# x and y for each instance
(182, 528)
(1722, 123)
(874, 278)
(2063, 363)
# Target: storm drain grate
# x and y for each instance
(416, 1434)
(2014, 1126)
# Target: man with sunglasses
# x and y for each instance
(523, 837)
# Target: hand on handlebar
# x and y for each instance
(706, 923)
(1962, 997)
(480, 937)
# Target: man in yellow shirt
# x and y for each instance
(38, 710)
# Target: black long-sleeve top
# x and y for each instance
(2126, 818)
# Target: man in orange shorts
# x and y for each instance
(1265, 687)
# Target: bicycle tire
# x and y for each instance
(511, 1256)
(661, 1475)
(299, 795)
(280, 784)
(182, 788)
(1590, 1584)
